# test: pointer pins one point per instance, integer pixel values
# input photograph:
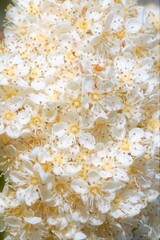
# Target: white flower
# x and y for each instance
(70, 131)
(30, 181)
(79, 120)
(12, 118)
(129, 205)
(131, 147)
(28, 226)
(93, 193)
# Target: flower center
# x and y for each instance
(11, 94)
(10, 72)
(47, 167)
(71, 56)
(120, 35)
(139, 51)
(36, 121)
(127, 107)
(76, 103)
(34, 73)
(8, 116)
(105, 35)
(34, 181)
(74, 130)
(154, 124)
(95, 190)
(61, 187)
(95, 96)
(126, 78)
(125, 146)
(83, 25)
(58, 160)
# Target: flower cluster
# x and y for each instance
(79, 120)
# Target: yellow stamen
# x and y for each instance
(8, 116)
(154, 124)
(74, 129)
(125, 146)
(83, 25)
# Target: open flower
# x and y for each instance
(93, 193)
(72, 131)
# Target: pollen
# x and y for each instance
(117, 1)
(58, 160)
(34, 73)
(10, 72)
(83, 25)
(125, 146)
(71, 56)
(139, 51)
(47, 167)
(154, 124)
(8, 116)
(95, 190)
(61, 187)
(127, 107)
(33, 10)
(98, 68)
(36, 121)
(95, 96)
(34, 180)
(76, 103)
(120, 35)
(105, 36)
(74, 130)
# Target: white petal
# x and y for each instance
(40, 171)
(45, 194)
(13, 130)
(152, 195)
(136, 135)
(103, 205)
(66, 141)
(38, 98)
(59, 129)
(15, 103)
(125, 159)
(1, 127)
(133, 25)
(33, 220)
(52, 221)
(79, 236)
(23, 117)
(49, 115)
(93, 176)
(31, 195)
(13, 221)
(18, 178)
(97, 219)
(2, 224)
(112, 103)
(28, 167)
(38, 84)
(79, 186)
(137, 150)
(86, 140)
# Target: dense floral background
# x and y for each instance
(3, 4)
